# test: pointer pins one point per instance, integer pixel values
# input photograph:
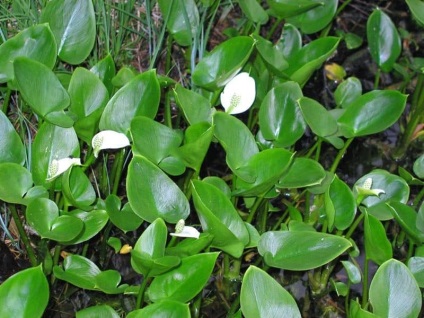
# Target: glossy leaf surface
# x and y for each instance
(105, 311)
(15, 181)
(347, 92)
(124, 218)
(261, 296)
(377, 246)
(302, 173)
(162, 309)
(317, 117)
(195, 107)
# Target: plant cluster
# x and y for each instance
(203, 182)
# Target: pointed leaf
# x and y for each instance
(302, 173)
(377, 246)
(318, 118)
(194, 106)
(15, 181)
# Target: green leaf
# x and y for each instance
(266, 167)
(406, 217)
(377, 246)
(51, 142)
(237, 140)
(36, 42)
(253, 11)
(105, 70)
(15, 181)
(194, 106)
(219, 217)
(309, 58)
(419, 167)
(383, 40)
(162, 309)
(24, 294)
(183, 21)
(152, 194)
(300, 250)
(272, 56)
(286, 8)
(416, 266)
(417, 9)
(89, 97)
(184, 282)
(78, 189)
(394, 291)
(347, 92)
(94, 221)
(356, 311)
(44, 96)
(223, 63)
(139, 97)
(190, 246)
(302, 173)
(280, 118)
(103, 311)
(74, 26)
(43, 215)
(371, 113)
(263, 297)
(11, 146)
(316, 19)
(125, 218)
(317, 117)
(343, 202)
(290, 41)
(395, 189)
(353, 272)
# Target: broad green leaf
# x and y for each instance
(36, 42)
(223, 63)
(416, 266)
(377, 246)
(11, 146)
(152, 139)
(353, 272)
(309, 58)
(219, 217)
(394, 292)
(302, 173)
(316, 19)
(108, 282)
(347, 92)
(253, 11)
(124, 218)
(152, 194)
(51, 142)
(406, 217)
(194, 106)
(237, 141)
(162, 309)
(103, 311)
(266, 167)
(190, 246)
(317, 117)
(371, 113)
(78, 189)
(182, 19)
(139, 97)
(286, 8)
(15, 181)
(272, 56)
(290, 41)
(417, 9)
(395, 189)
(43, 215)
(88, 96)
(44, 96)
(419, 167)
(25, 294)
(343, 202)
(94, 221)
(105, 70)
(356, 311)
(74, 28)
(280, 118)
(262, 296)
(184, 282)
(383, 40)
(300, 250)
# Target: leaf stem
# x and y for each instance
(23, 235)
(340, 155)
(140, 296)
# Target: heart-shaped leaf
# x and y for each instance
(124, 218)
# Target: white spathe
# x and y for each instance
(57, 167)
(239, 94)
(109, 139)
(185, 231)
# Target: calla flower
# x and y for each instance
(57, 167)
(109, 139)
(366, 189)
(239, 94)
(185, 231)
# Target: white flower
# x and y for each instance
(57, 167)
(109, 139)
(185, 231)
(239, 94)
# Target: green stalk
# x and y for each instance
(140, 296)
(167, 110)
(364, 302)
(254, 209)
(340, 155)
(118, 165)
(6, 101)
(377, 78)
(56, 256)
(28, 247)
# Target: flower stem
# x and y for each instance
(23, 235)
(340, 155)
(140, 296)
